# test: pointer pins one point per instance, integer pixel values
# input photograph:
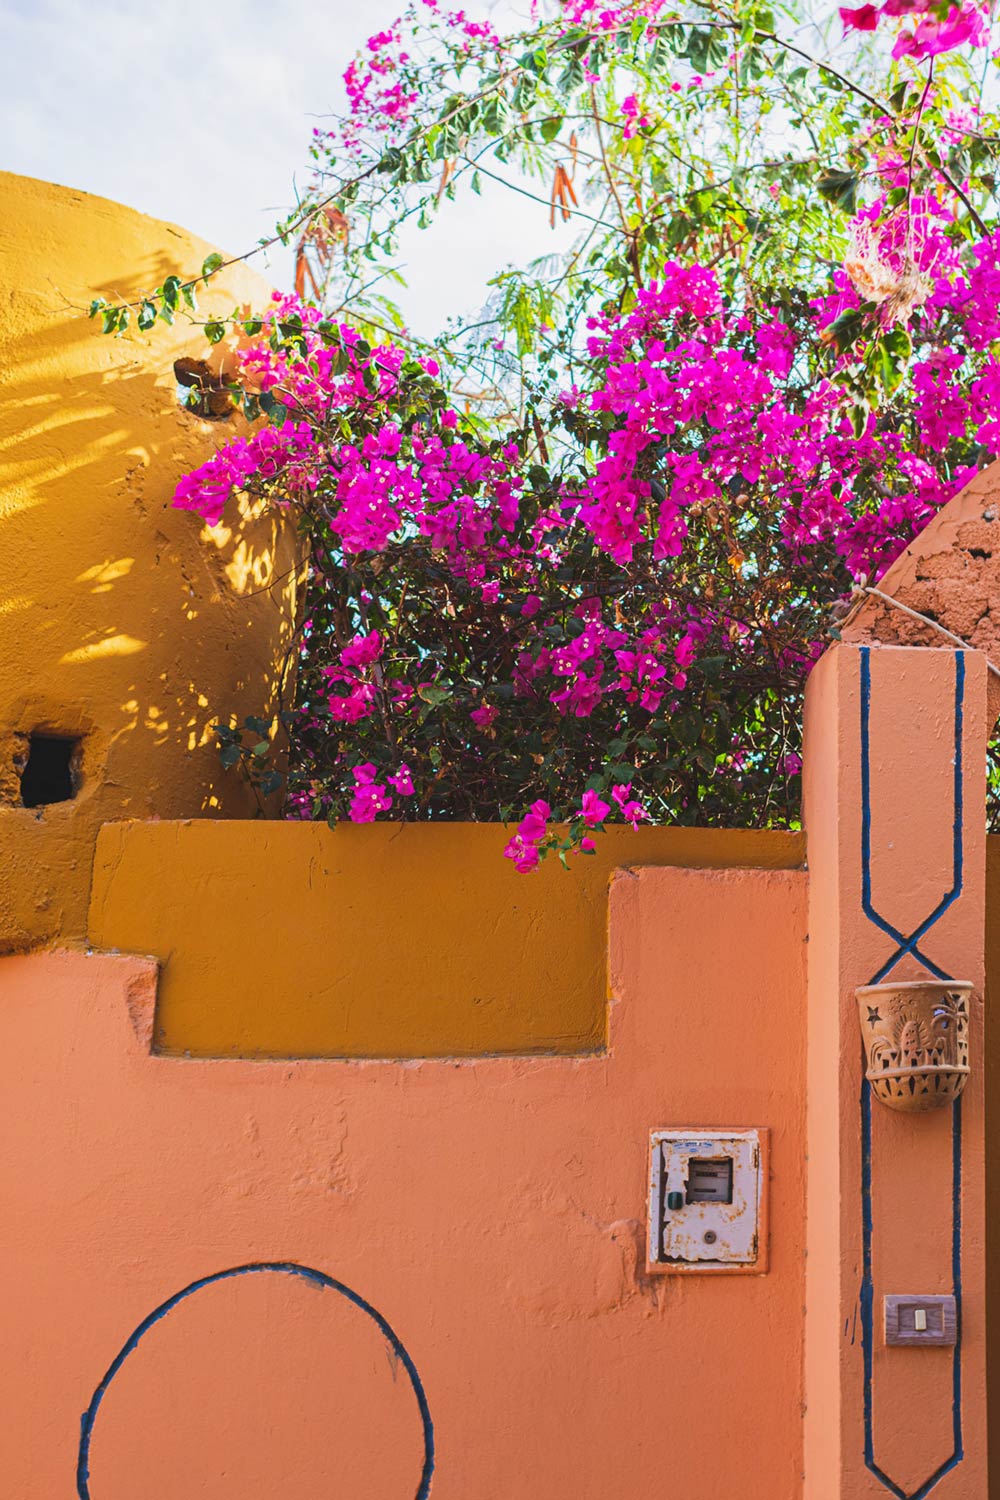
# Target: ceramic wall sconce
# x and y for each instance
(916, 1038)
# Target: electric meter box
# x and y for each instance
(707, 1200)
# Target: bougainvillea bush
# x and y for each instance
(571, 561)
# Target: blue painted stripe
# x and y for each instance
(867, 1300)
(283, 1268)
(956, 1277)
(908, 944)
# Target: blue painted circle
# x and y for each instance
(281, 1268)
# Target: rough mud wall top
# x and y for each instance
(950, 575)
(125, 627)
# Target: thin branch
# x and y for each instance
(577, 213)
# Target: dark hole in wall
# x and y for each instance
(203, 391)
(49, 773)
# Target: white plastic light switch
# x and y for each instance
(706, 1200)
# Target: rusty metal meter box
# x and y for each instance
(707, 1200)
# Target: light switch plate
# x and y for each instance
(923, 1322)
(708, 1200)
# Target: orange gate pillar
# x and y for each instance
(894, 805)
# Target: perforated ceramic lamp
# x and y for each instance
(916, 1038)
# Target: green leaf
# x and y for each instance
(171, 292)
(845, 331)
(687, 726)
(840, 188)
(433, 694)
(215, 331)
(551, 127)
(147, 315)
(211, 264)
(710, 666)
(893, 352)
(229, 755)
(276, 411)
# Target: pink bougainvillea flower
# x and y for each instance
(524, 848)
(593, 810)
(696, 403)
(524, 854)
(402, 781)
(685, 651)
(534, 825)
(363, 650)
(934, 35)
(633, 119)
(369, 797)
(861, 18)
(631, 810)
(484, 716)
(354, 706)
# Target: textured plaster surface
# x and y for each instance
(121, 620)
(951, 574)
(915, 1197)
(991, 1090)
(492, 1210)
(406, 941)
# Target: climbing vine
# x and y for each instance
(571, 560)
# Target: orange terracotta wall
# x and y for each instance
(122, 621)
(993, 1153)
(895, 807)
(491, 1211)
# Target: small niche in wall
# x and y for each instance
(51, 771)
(202, 391)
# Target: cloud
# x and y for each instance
(201, 113)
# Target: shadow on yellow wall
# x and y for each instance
(123, 622)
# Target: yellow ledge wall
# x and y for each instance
(289, 940)
(122, 621)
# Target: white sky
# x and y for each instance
(200, 112)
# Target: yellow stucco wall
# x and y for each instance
(117, 621)
(379, 940)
